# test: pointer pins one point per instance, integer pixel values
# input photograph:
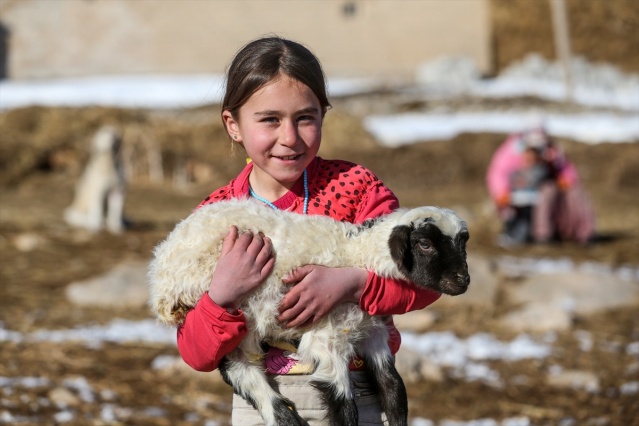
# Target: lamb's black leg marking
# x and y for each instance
(283, 409)
(223, 366)
(391, 390)
(340, 411)
(285, 413)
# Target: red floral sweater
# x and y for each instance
(339, 189)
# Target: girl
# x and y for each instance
(274, 107)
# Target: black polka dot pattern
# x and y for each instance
(336, 189)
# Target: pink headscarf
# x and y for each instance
(508, 158)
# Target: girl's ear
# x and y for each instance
(231, 125)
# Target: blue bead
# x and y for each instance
(271, 205)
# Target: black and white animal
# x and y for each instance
(424, 245)
(99, 194)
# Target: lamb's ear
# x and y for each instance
(399, 244)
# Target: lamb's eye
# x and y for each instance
(425, 245)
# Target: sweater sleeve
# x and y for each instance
(386, 296)
(209, 333)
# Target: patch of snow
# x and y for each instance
(464, 356)
(597, 85)
(592, 128)
(139, 91)
(117, 331)
(517, 266)
(28, 382)
(629, 388)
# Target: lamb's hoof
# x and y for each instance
(286, 414)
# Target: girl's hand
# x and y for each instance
(245, 262)
(317, 290)
(503, 200)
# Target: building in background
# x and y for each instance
(380, 38)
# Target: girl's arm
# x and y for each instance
(386, 296)
(215, 326)
(209, 333)
(317, 289)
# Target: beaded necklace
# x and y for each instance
(271, 205)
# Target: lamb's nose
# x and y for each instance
(464, 278)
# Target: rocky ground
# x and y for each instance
(591, 376)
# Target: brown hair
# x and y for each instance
(264, 59)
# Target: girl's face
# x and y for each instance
(280, 127)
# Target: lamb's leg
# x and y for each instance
(340, 410)
(331, 355)
(391, 391)
(380, 367)
(249, 381)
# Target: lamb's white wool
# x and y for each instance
(183, 264)
(99, 195)
(446, 220)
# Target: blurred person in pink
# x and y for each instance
(537, 192)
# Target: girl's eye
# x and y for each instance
(306, 118)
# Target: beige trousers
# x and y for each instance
(308, 403)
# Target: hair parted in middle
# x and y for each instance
(263, 60)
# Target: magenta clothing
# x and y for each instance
(339, 189)
(562, 210)
(508, 158)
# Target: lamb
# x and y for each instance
(424, 245)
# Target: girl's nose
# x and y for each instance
(289, 134)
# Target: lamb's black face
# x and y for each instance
(430, 258)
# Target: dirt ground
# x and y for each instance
(42, 153)
(600, 31)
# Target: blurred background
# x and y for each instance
(423, 93)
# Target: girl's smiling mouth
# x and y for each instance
(288, 157)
